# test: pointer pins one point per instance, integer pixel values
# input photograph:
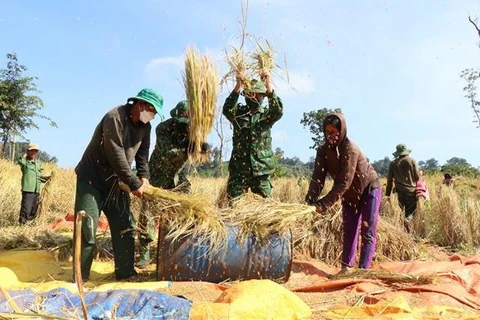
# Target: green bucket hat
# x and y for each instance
(151, 96)
(178, 113)
(402, 150)
(257, 86)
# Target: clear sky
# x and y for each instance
(392, 66)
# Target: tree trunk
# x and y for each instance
(12, 149)
(4, 143)
(221, 137)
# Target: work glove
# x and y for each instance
(206, 147)
(310, 199)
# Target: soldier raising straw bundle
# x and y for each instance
(251, 162)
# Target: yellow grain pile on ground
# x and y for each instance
(201, 85)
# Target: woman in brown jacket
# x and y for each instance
(355, 182)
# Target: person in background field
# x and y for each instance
(167, 169)
(404, 170)
(355, 182)
(448, 180)
(122, 136)
(252, 161)
(421, 189)
(31, 179)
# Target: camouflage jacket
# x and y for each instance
(169, 156)
(252, 141)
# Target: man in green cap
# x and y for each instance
(403, 171)
(121, 137)
(167, 169)
(252, 161)
(31, 179)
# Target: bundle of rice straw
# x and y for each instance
(247, 65)
(263, 58)
(314, 235)
(237, 60)
(45, 196)
(387, 276)
(185, 215)
(255, 215)
(201, 85)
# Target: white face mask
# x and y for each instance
(146, 116)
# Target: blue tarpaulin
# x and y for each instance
(113, 304)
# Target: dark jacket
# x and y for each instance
(115, 144)
(252, 152)
(349, 169)
(404, 170)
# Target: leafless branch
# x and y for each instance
(475, 25)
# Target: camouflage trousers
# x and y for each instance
(147, 224)
(238, 184)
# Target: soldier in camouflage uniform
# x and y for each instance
(167, 169)
(252, 161)
(169, 156)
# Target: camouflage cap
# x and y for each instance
(256, 86)
(180, 112)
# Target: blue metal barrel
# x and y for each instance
(188, 259)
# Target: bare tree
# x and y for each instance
(474, 24)
(220, 128)
(471, 77)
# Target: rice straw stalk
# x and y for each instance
(200, 79)
(264, 58)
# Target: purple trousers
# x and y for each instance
(365, 220)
